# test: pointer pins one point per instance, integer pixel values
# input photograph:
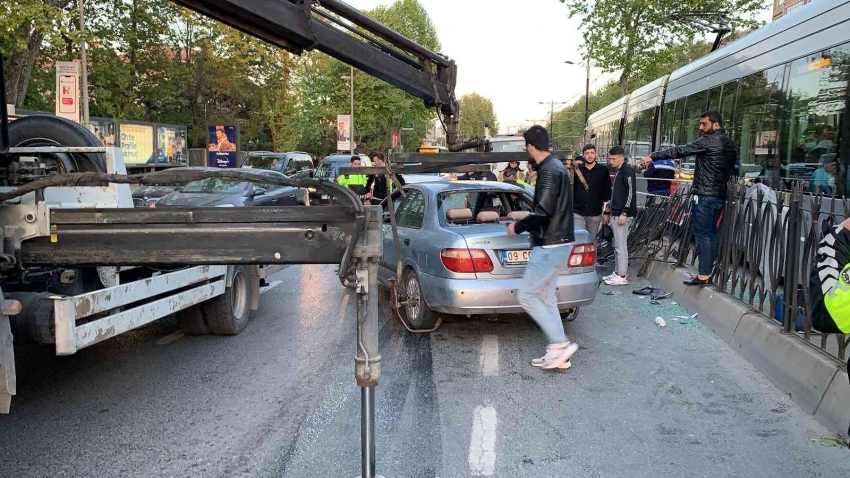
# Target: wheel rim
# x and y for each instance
(49, 158)
(239, 297)
(413, 297)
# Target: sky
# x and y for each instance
(500, 47)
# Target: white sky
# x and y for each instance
(490, 40)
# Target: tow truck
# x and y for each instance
(80, 265)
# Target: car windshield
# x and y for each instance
(263, 162)
(479, 201)
(215, 186)
(512, 146)
(326, 169)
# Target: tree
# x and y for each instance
(629, 35)
(476, 112)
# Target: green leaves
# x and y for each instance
(476, 112)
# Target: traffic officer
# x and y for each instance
(355, 182)
(379, 186)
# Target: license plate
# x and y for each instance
(516, 257)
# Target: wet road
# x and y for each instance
(280, 400)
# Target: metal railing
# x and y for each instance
(768, 242)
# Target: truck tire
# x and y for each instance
(192, 321)
(41, 130)
(228, 314)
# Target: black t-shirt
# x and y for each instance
(588, 201)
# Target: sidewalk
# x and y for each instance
(815, 380)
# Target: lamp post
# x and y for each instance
(84, 65)
(350, 77)
(552, 105)
(586, 88)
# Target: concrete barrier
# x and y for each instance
(814, 379)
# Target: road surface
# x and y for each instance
(280, 400)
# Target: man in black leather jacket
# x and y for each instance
(550, 226)
(716, 155)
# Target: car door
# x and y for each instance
(388, 257)
(276, 195)
(410, 216)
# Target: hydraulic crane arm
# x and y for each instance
(301, 25)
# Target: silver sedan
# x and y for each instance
(457, 257)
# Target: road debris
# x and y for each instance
(660, 322)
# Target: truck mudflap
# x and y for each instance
(200, 283)
(7, 363)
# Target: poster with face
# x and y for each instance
(222, 146)
(171, 145)
(343, 132)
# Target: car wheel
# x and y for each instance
(228, 314)
(419, 314)
(569, 315)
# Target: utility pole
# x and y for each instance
(85, 65)
(352, 110)
(586, 88)
(552, 105)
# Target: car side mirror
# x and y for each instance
(259, 191)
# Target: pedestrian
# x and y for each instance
(510, 177)
(513, 167)
(823, 179)
(550, 227)
(623, 209)
(378, 186)
(531, 173)
(716, 156)
(591, 190)
(355, 182)
(659, 175)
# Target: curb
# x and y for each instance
(810, 376)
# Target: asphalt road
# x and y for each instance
(280, 400)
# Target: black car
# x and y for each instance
(295, 164)
(219, 192)
(147, 195)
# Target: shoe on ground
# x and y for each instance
(558, 354)
(618, 280)
(607, 278)
(696, 281)
(538, 362)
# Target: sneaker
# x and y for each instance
(558, 354)
(617, 280)
(607, 278)
(538, 362)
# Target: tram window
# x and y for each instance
(714, 99)
(693, 109)
(668, 119)
(755, 122)
(816, 103)
(727, 106)
(679, 136)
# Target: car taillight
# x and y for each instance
(583, 255)
(466, 260)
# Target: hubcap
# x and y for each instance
(412, 298)
(240, 298)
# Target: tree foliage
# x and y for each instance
(151, 60)
(635, 35)
(476, 112)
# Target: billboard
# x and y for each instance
(222, 146)
(137, 143)
(104, 130)
(171, 145)
(343, 133)
(68, 90)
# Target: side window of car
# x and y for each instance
(269, 187)
(304, 163)
(412, 212)
(291, 166)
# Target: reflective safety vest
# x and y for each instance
(830, 283)
(349, 180)
(522, 183)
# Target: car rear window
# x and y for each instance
(261, 161)
(477, 201)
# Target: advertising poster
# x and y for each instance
(343, 132)
(105, 131)
(171, 145)
(68, 87)
(137, 143)
(222, 146)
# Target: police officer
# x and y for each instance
(355, 182)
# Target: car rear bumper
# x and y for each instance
(500, 296)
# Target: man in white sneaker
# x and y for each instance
(623, 212)
(550, 226)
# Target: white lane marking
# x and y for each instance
(170, 337)
(482, 443)
(342, 315)
(490, 355)
(271, 286)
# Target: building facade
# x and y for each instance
(783, 7)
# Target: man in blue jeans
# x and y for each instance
(550, 227)
(716, 156)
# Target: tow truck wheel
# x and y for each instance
(228, 314)
(192, 321)
(42, 130)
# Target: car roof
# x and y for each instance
(443, 186)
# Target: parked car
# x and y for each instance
(457, 257)
(295, 164)
(226, 193)
(148, 195)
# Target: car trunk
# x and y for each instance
(500, 247)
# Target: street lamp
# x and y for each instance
(351, 117)
(586, 89)
(552, 105)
